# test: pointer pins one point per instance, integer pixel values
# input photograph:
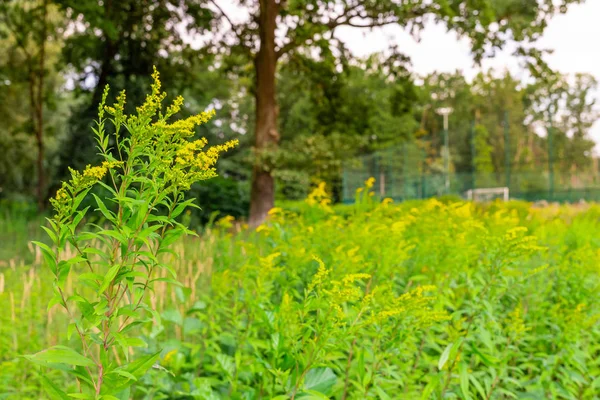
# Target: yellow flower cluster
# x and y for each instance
(153, 101)
(94, 172)
(320, 197)
(516, 323)
(183, 127)
(320, 276)
(414, 304)
(79, 182)
(268, 261)
(519, 243)
(189, 155)
(226, 222)
(100, 171)
(175, 107)
(61, 194)
(186, 153)
(118, 109)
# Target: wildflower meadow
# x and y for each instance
(430, 299)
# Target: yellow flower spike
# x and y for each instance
(94, 172)
(275, 211)
(321, 274)
(350, 279)
(370, 182)
(263, 228)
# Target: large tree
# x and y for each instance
(275, 28)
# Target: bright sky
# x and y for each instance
(571, 36)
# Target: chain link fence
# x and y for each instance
(409, 172)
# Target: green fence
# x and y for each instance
(407, 172)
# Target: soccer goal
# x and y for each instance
(488, 194)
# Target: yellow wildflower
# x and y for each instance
(321, 274)
(94, 172)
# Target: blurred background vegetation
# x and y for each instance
(57, 55)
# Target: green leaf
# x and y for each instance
(478, 386)
(464, 380)
(125, 374)
(78, 217)
(171, 237)
(444, 356)
(51, 234)
(182, 206)
(60, 355)
(139, 367)
(320, 380)
(382, 395)
(53, 391)
(312, 395)
(226, 363)
(114, 234)
(48, 254)
(108, 278)
(56, 299)
(79, 198)
(102, 207)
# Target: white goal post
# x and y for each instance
(486, 194)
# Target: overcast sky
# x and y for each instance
(573, 37)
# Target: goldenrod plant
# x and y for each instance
(149, 163)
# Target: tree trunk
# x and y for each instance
(262, 196)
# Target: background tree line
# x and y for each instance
(281, 82)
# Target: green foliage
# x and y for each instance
(429, 299)
(31, 83)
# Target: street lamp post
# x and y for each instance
(445, 112)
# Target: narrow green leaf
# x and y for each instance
(102, 207)
(464, 380)
(108, 278)
(50, 233)
(125, 374)
(444, 357)
(79, 198)
(78, 217)
(140, 366)
(182, 206)
(48, 255)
